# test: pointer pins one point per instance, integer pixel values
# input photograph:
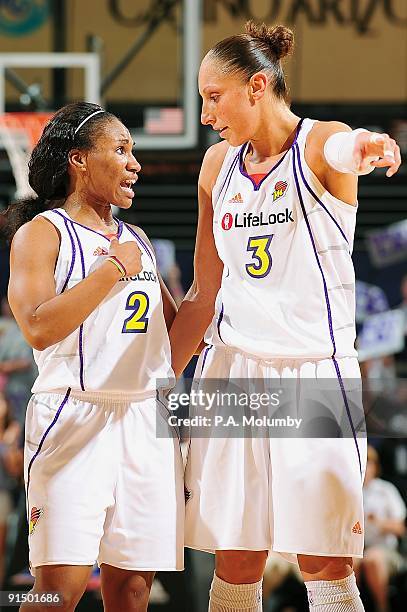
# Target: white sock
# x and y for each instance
(334, 595)
(226, 597)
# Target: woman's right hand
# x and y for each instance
(129, 254)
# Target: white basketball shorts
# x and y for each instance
(100, 484)
(292, 495)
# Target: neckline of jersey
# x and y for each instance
(63, 212)
(243, 149)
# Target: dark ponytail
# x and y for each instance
(48, 164)
(260, 49)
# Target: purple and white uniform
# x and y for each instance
(123, 345)
(285, 309)
(100, 484)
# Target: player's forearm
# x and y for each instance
(188, 329)
(58, 317)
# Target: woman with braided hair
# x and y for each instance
(85, 290)
(273, 296)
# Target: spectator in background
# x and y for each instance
(168, 268)
(403, 305)
(17, 368)
(370, 299)
(385, 514)
(11, 469)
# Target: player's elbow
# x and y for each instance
(38, 342)
(39, 336)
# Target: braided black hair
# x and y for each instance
(48, 164)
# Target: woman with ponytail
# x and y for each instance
(273, 297)
(84, 288)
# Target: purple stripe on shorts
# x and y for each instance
(208, 348)
(314, 195)
(81, 358)
(55, 419)
(328, 306)
(141, 241)
(81, 355)
(345, 400)
(219, 322)
(72, 258)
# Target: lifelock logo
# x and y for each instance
(250, 220)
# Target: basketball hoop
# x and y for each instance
(19, 133)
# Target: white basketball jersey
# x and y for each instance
(288, 285)
(123, 346)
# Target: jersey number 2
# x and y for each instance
(137, 322)
(259, 245)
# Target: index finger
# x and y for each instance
(397, 162)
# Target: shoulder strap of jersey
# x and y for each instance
(55, 217)
(228, 166)
(305, 128)
(141, 243)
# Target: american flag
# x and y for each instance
(164, 120)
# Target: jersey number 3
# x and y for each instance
(260, 248)
(137, 322)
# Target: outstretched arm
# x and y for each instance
(338, 155)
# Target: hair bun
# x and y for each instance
(279, 38)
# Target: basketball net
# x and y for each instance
(19, 133)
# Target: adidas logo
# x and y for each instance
(357, 528)
(100, 251)
(237, 199)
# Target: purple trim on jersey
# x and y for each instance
(120, 225)
(219, 322)
(314, 195)
(84, 226)
(80, 248)
(81, 357)
(276, 165)
(208, 348)
(141, 241)
(55, 419)
(244, 173)
(73, 257)
(328, 306)
(229, 177)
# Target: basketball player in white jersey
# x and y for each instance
(86, 293)
(273, 295)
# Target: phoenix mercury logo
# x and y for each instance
(280, 189)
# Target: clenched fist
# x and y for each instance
(129, 254)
